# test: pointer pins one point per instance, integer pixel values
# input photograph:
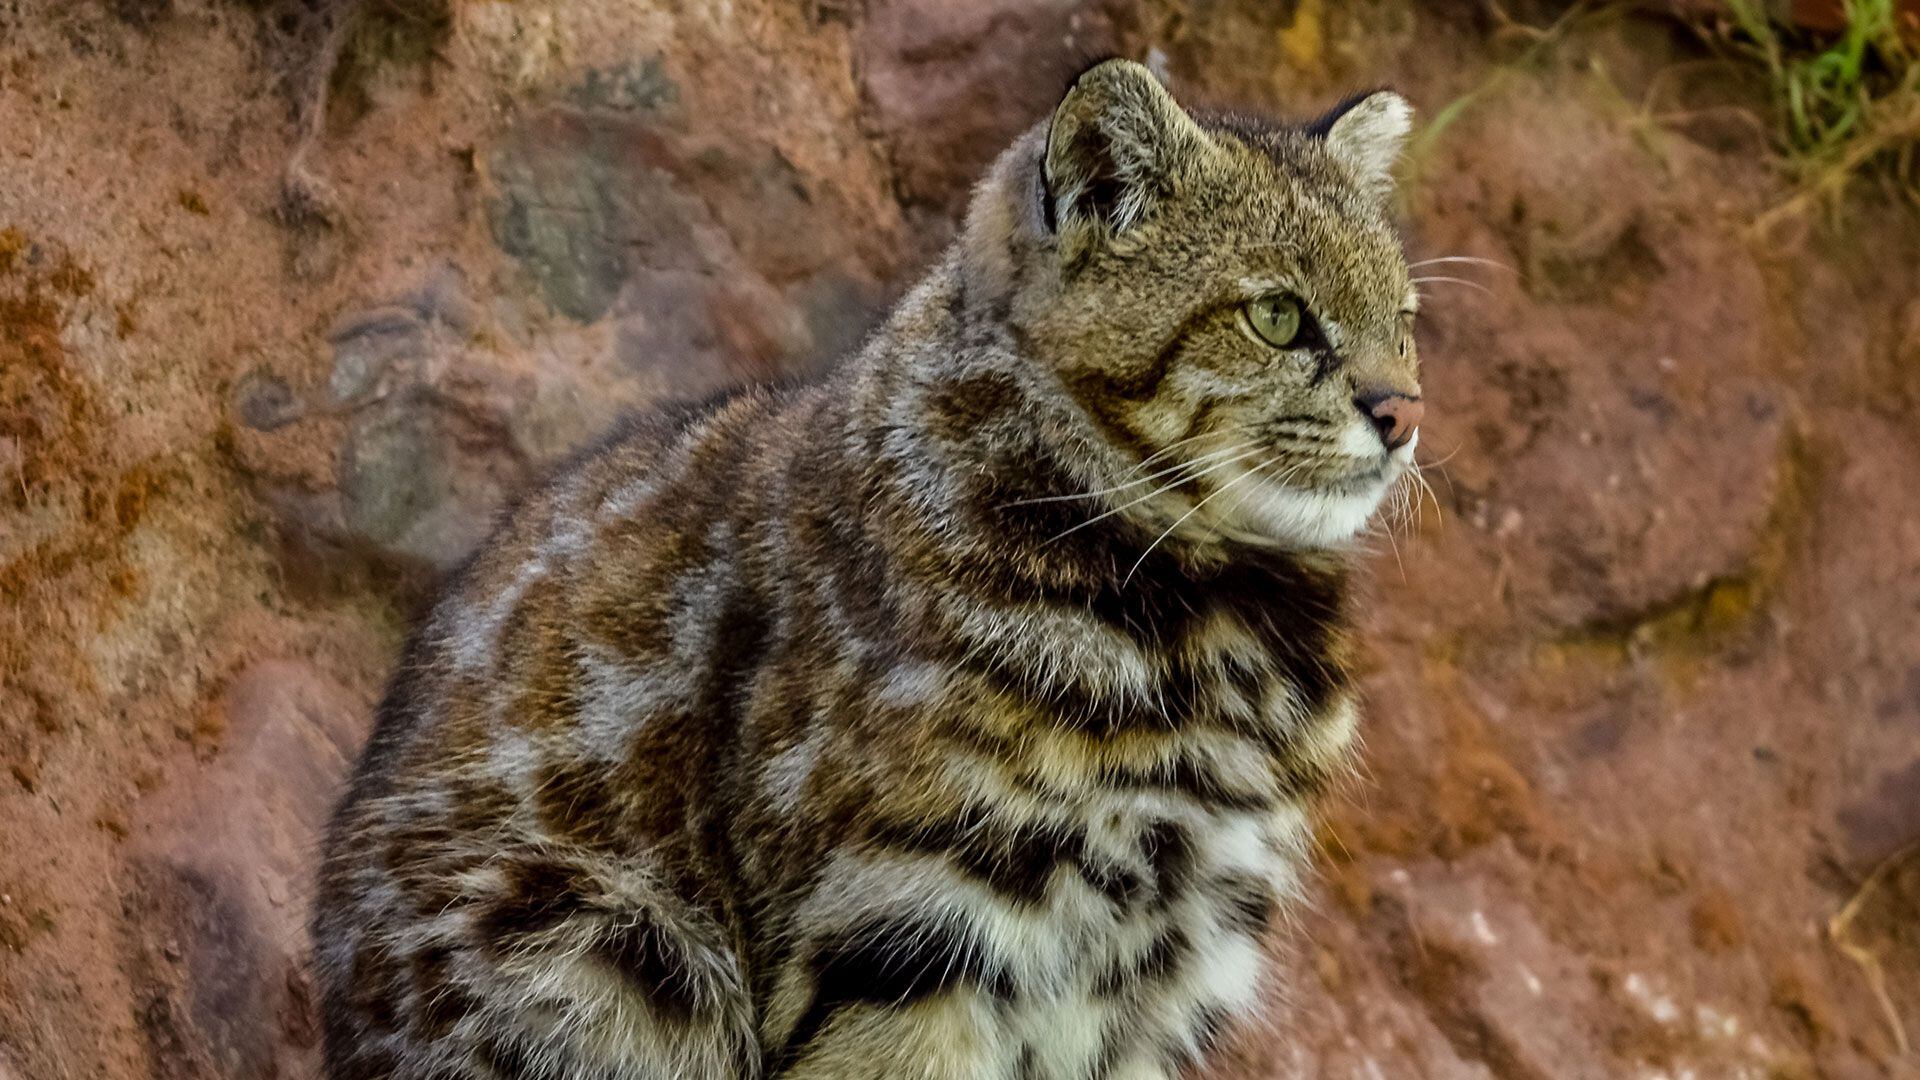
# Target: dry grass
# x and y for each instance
(347, 41)
(1840, 932)
(1846, 107)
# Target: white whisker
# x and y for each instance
(1165, 450)
(1442, 278)
(1395, 546)
(1475, 260)
(1129, 483)
(1163, 489)
(1420, 478)
(1451, 454)
(1223, 489)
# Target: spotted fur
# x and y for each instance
(954, 716)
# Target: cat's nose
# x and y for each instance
(1394, 414)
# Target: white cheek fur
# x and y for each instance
(1319, 519)
(1305, 518)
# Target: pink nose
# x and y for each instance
(1394, 414)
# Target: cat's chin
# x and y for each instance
(1309, 518)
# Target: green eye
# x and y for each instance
(1276, 319)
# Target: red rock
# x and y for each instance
(223, 872)
(951, 84)
(1662, 643)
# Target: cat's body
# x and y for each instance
(837, 731)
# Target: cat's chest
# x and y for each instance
(1155, 863)
(1160, 851)
(1159, 939)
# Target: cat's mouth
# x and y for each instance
(1375, 473)
(1368, 468)
(1343, 474)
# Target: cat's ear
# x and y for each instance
(1117, 144)
(1368, 133)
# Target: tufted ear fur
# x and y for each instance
(1117, 144)
(1368, 133)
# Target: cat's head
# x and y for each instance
(1225, 298)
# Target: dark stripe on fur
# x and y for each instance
(1018, 862)
(505, 1060)
(1251, 906)
(886, 964)
(535, 895)
(651, 960)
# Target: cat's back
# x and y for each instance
(648, 478)
(504, 782)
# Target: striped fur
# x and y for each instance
(891, 725)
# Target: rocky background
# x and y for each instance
(293, 293)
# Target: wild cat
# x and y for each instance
(954, 715)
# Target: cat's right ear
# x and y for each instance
(1117, 145)
(1368, 133)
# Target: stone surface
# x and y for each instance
(429, 453)
(365, 345)
(265, 401)
(952, 84)
(221, 879)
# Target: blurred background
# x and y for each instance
(294, 293)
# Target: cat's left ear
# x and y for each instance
(1367, 133)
